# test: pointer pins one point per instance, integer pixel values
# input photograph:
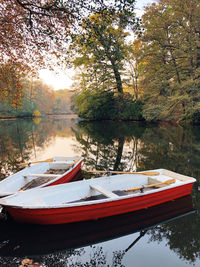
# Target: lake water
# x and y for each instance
(167, 235)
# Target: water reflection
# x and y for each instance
(110, 145)
(104, 145)
(137, 146)
(26, 140)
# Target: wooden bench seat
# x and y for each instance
(103, 191)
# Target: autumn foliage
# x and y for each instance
(11, 83)
(31, 31)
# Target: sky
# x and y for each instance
(140, 4)
(62, 79)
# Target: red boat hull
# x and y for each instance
(68, 177)
(35, 239)
(98, 210)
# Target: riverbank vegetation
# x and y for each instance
(127, 68)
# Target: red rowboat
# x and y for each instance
(57, 170)
(96, 198)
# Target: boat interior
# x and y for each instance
(55, 169)
(113, 187)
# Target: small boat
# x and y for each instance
(96, 198)
(57, 171)
(20, 240)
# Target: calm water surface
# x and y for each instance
(166, 235)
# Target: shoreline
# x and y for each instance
(73, 115)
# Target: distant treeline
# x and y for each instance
(38, 99)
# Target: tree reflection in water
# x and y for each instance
(183, 237)
(109, 145)
(137, 146)
(72, 258)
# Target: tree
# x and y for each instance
(171, 55)
(134, 66)
(43, 97)
(63, 101)
(100, 51)
(12, 83)
(21, 96)
(101, 47)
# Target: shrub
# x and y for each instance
(36, 113)
(128, 109)
(107, 106)
(95, 105)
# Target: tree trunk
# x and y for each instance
(117, 76)
(119, 153)
(136, 87)
(198, 54)
(173, 58)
